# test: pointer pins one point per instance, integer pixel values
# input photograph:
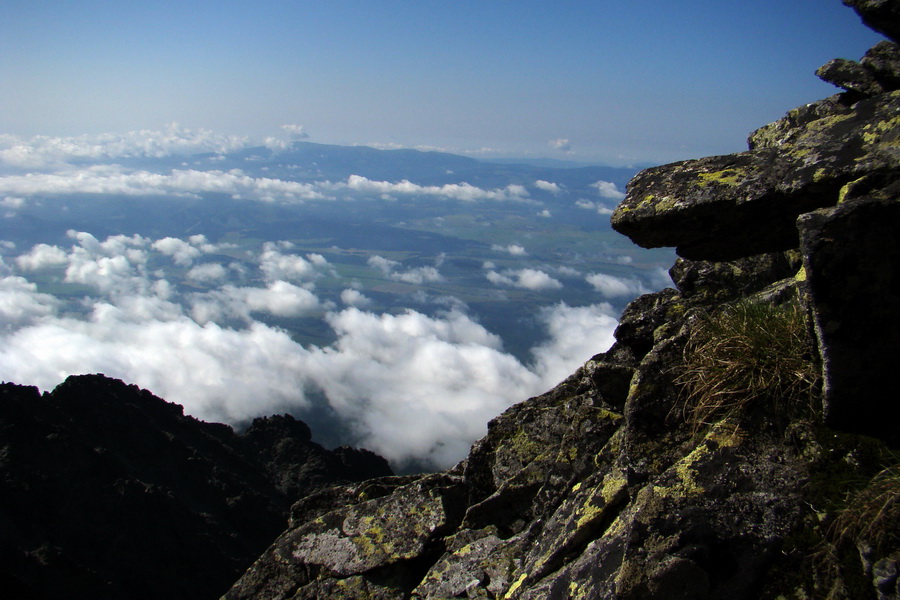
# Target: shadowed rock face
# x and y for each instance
(107, 491)
(851, 253)
(881, 15)
(603, 487)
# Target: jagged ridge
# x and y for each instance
(107, 491)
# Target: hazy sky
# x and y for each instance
(617, 82)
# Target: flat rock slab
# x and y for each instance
(703, 207)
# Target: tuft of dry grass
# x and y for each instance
(869, 523)
(748, 354)
(872, 515)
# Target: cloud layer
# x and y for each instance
(437, 378)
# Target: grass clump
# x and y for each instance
(871, 518)
(748, 354)
(867, 526)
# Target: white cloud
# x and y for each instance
(438, 380)
(608, 189)
(12, 202)
(545, 214)
(547, 186)
(216, 373)
(199, 241)
(297, 132)
(616, 287)
(415, 276)
(292, 267)
(355, 298)
(21, 303)
(513, 249)
(207, 273)
(115, 266)
(589, 205)
(278, 298)
(42, 256)
(530, 279)
(454, 191)
(42, 152)
(568, 271)
(419, 275)
(181, 252)
(576, 334)
(116, 180)
(561, 144)
(385, 265)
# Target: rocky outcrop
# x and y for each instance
(801, 163)
(107, 491)
(660, 469)
(881, 15)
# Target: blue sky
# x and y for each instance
(623, 82)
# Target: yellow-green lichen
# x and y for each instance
(515, 586)
(848, 188)
(722, 435)
(874, 133)
(801, 275)
(664, 204)
(608, 492)
(372, 539)
(650, 201)
(724, 177)
(827, 122)
(577, 590)
(609, 415)
(524, 447)
(820, 174)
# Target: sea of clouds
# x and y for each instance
(182, 319)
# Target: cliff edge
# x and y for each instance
(738, 439)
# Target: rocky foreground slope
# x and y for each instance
(737, 439)
(108, 492)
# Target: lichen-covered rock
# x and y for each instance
(702, 207)
(877, 72)
(850, 75)
(352, 543)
